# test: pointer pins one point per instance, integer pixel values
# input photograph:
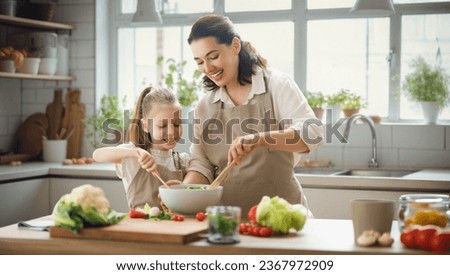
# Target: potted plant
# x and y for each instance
(186, 90)
(352, 104)
(316, 101)
(427, 85)
(107, 123)
(334, 102)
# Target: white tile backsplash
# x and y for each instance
(447, 138)
(415, 158)
(419, 136)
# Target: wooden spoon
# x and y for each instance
(221, 177)
(154, 173)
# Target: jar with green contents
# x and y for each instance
(424, 209)
(223, 224)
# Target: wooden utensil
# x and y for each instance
(160, 179)
(222, 176)
(54, 113)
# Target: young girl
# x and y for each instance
(155, 130)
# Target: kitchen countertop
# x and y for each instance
(436, 180)
(319, 236)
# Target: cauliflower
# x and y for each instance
(280, 215)
(85, 205)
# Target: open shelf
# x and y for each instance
(37, 76)
(25, 22)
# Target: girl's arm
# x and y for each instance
(114, 154)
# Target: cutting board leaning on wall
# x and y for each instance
(73, 120)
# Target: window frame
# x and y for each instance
(300, 16)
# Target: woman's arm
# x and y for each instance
(114, 154)
(195, 177)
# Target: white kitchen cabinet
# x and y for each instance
(335, 203)
(23, 200)
(114, 190)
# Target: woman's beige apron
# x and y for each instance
(145, 187)
(263, 172)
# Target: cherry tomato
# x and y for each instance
(243, 228)
(408, 238)
(178, 218)
(252, 213)
(255, 231)
(134, 214)
(423, 238)
(265, 232)
(440, 243)
(200, 216)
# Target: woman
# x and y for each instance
(252, 116)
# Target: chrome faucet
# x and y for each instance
(373, 163)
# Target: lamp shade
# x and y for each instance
(373, 7)
(146, 13)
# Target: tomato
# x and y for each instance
(178, 218)
(408, 238)
(265, 232)
(134, 214)
(243, 228)
(252, 213)
(255, 231)
(200, 216)
(440, 243)
(423, 238)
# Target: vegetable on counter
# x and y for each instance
(280, 215)
(427, 237)
(86, 205)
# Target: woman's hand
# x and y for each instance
(241, 147)
(173, 182)
(146, 160)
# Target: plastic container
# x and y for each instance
(30, 65)
(7, 66)
(62, 53)
(424, 209)
(48, 66)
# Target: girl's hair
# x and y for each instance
(221, 28)
(149, 97)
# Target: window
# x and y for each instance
(319, 43)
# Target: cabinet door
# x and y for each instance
(335, 203)
(23, 200)
(114, 191)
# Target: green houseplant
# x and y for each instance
(427, 85)
(107, 123)
(316, 100)
(186, 90)
(334, 103)
(352, 103)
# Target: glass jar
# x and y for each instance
(424, 209)
(223, 224)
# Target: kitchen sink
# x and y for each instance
(375, 173)
(316, 171)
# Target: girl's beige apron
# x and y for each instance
(263, 172)
(145, 187)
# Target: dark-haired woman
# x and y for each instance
(252, 116)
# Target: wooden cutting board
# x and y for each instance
(29, 135)
(54, 113)
(140, 230)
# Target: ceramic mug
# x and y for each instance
(372, 214)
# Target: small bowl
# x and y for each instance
(7, 66)
(189, 201)
(30, 65)
(48, 66)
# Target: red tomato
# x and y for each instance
(252, 213)
(423, 238)
(243, 228)
(440, 243)
(134, 214)
(265, 232)
(200, 216)
(408, 238)
(178, 218)
(255, 231)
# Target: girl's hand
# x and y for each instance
(146, 160)
(241, 147)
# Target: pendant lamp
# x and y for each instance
(373, 7)
(146, 13)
